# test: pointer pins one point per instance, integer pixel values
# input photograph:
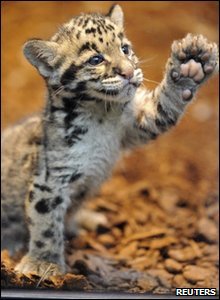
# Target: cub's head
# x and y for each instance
(89, 58)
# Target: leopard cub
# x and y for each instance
(95, 107)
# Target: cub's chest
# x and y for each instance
(100, 143)
(90, 148)
(94, 156)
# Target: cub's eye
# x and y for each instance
(96, 60)
(125, 49)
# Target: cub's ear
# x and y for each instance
(41, 54)
(116, 15)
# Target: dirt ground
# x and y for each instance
(162, 200)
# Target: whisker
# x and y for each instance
(105, 102)
(143, 61)
(143, 85)
(112, 105)
(156, 82)
(59, 90)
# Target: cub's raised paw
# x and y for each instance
(193, 60)
(29, 265)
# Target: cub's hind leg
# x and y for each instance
(14, 232)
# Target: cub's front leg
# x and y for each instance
(193, 60)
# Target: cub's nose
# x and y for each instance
(125, 71)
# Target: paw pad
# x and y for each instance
(192, 70)
(175, 75)
(193, 57)
(208, 69)
(205, 57)
(187, 94)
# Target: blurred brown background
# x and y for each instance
(171, 184)
(151, 26)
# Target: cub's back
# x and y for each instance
(19, 156)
